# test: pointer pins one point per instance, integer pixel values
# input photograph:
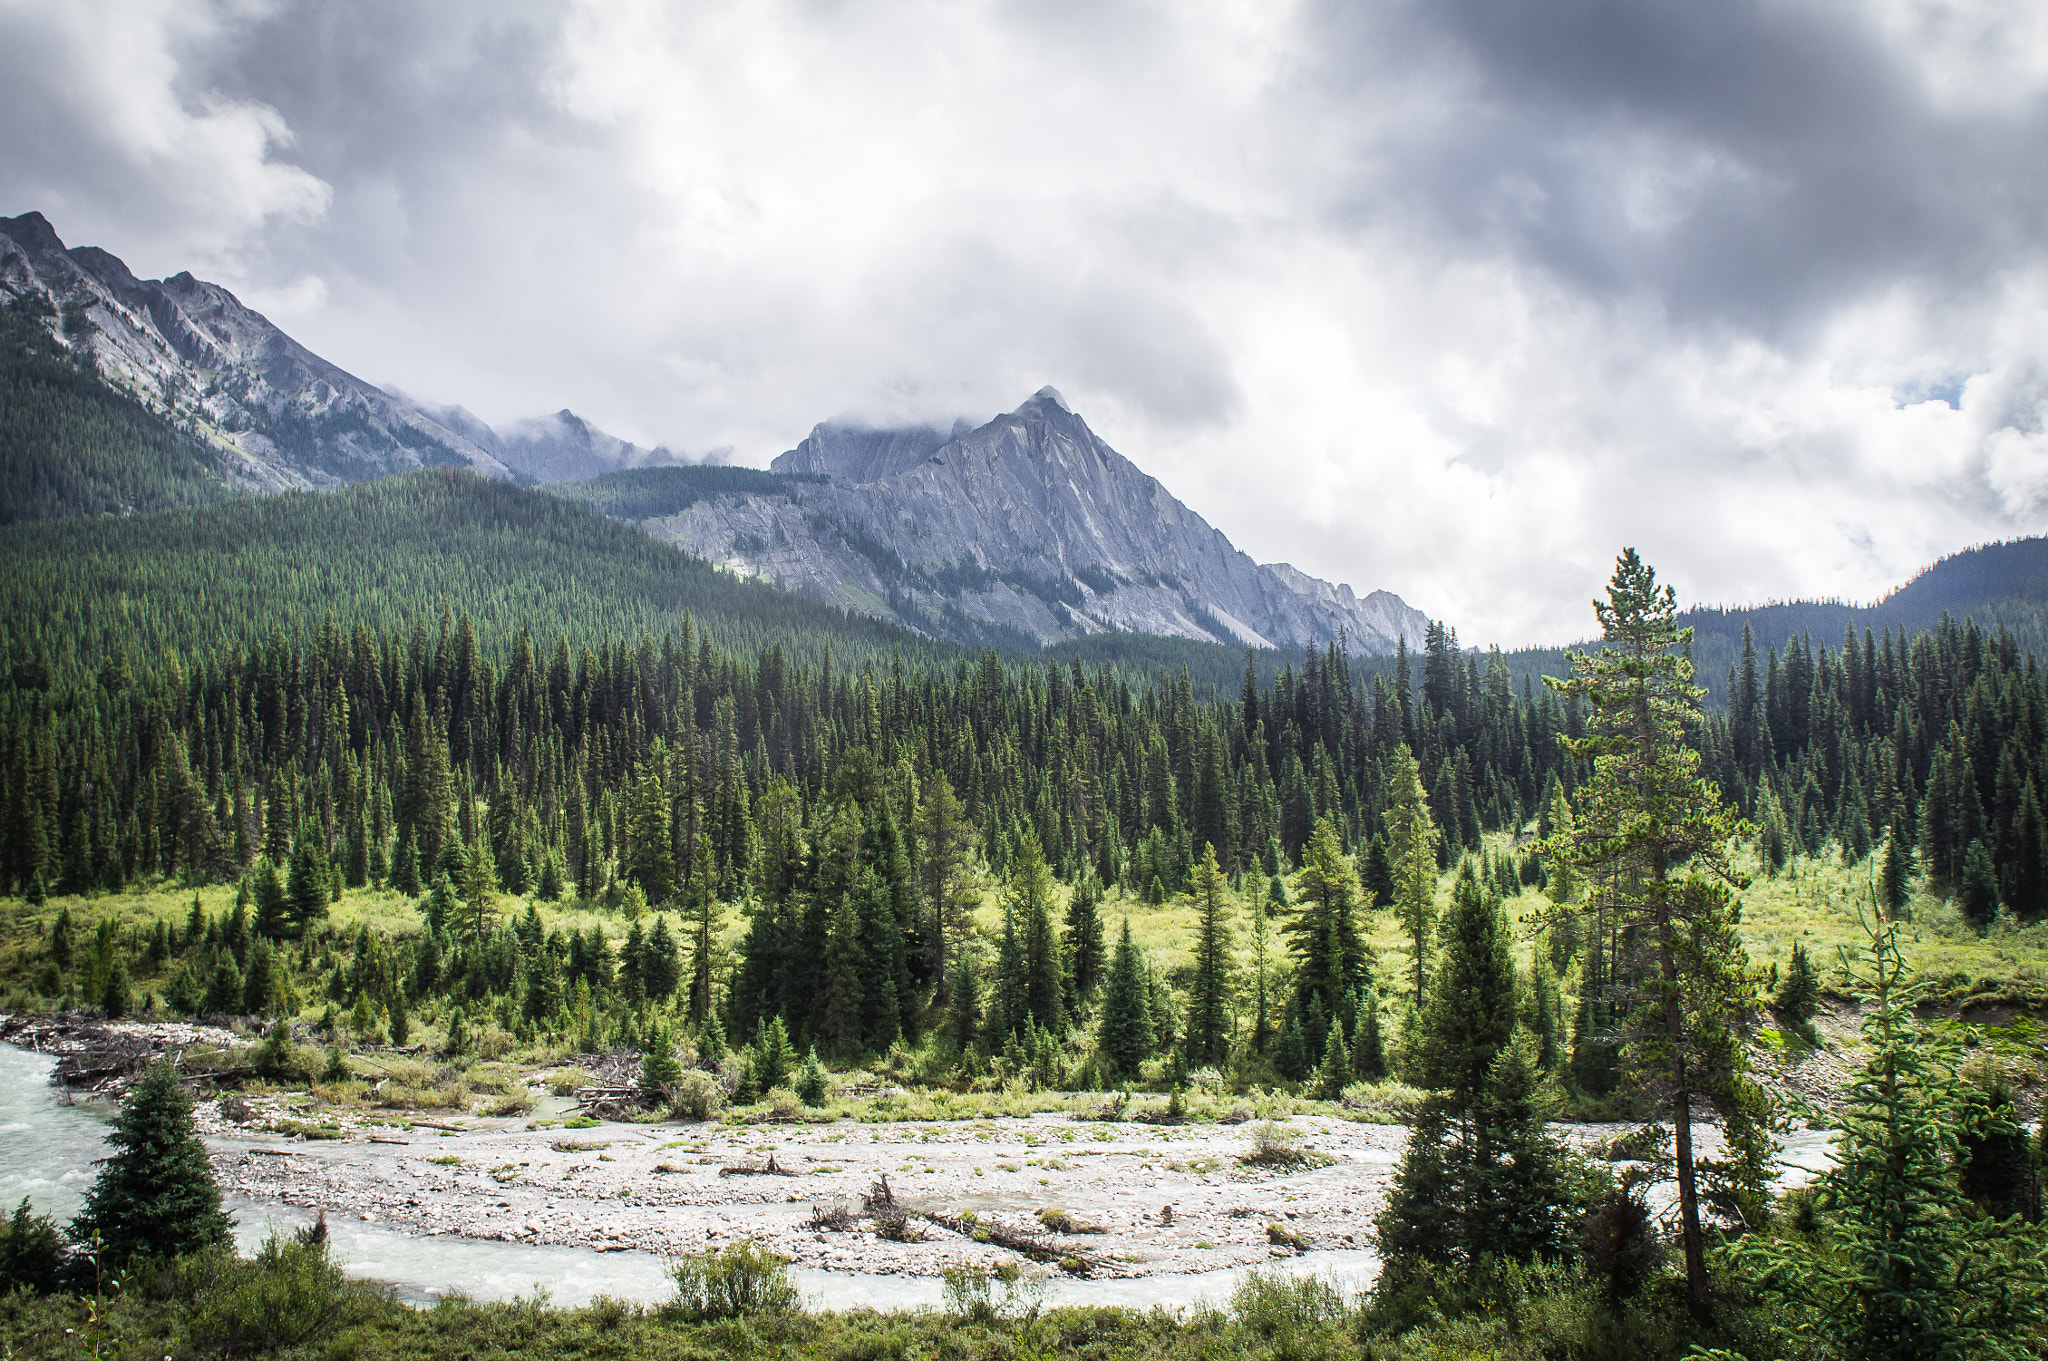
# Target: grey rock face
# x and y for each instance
(1028, 528)
(559, 448)
(286, 417)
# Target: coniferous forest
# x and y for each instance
(629, 805)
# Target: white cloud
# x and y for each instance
(106, 130)
(1430, 297)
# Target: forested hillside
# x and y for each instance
(2003, 587)
(381, 554)
(71, 445)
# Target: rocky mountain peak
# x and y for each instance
(1023, 530)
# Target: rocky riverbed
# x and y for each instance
(1161, 1199)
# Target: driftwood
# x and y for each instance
(1036, 1246)
(770, 1169)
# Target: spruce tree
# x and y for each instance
(1368, 1048)
(704, 921)
(1901, 1265)
(308, 888)
(660, 1070)
(1977, 894)
(1030, 900)
(1480, 1178)
(1651, 840)
(273, 907)
(1334, 1074)
(405, 875)
(1414, 857)
(1126, 1035)
(660, 971)
(1291, 1056)
(1798, 996)
(1209, 1023)
(774, 1057)
(155, 1195)
(964, 1006)
(1087, 950)
(1333, 963)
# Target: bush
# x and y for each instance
(31, 1252)
(1276, 1305)
(979, 1294)
(698, 1095)
(1275, 1145)
(741, 1280)
(293, 1293)
(783, 1103)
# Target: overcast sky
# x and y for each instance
(1452, 297)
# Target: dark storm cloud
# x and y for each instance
(1782, 157)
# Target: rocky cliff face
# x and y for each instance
(1028, 528)
(283, 416)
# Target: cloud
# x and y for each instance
(106, 129)
(1453, 298)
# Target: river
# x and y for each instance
(53, 1146)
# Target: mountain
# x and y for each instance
(385, 554)
(281, 415)
(1023, 532)
(272, 414)
(1997, 586)
(559, 448)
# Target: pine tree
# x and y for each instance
(1335, 1073)
(1977, 894)
(1209, 1021)
(1901, 1265)
(1126, 1035)
(1414, 856)
(155, 1195)
(1087, 950)
(660, 970)
(660, 1070)
(1895, 884)
(1479, 1178)
(1651, 838)
(1798, 994)
(1326, 941)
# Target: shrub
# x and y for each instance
(31, 1252)
(698, 1095)
(1276, 1305)
(741, 1280)
(292, 1293)
(1274, 1145)
(783, 1103)
(979, 1294)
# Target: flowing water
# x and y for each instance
(52, 1146)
